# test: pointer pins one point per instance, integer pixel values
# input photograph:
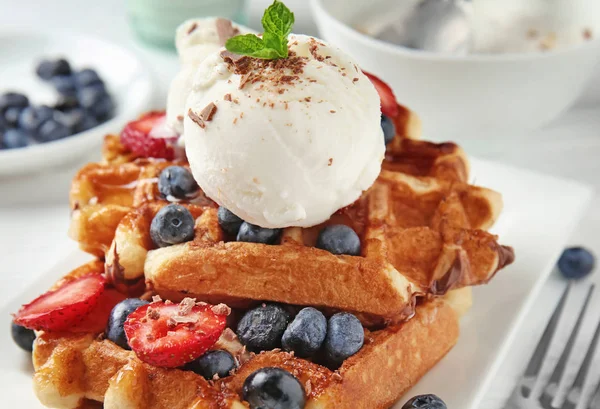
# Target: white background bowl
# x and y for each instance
(476, 95)
(127, 79)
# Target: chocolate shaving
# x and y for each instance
(192, 28)
(208, 112)
(355, 79)
(195, 118)
(156, 298)
(152, 313)
(186, 305)
(337, 376)
(330, 162)
(178, 319)
(227, 97)
(308, 387)
(180, 117)
(221, 309)
(225, 30)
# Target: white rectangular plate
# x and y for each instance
(539, 214)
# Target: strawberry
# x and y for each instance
(389, 106)
(95, 321)
(63, 308)
(161, 336)
(136, 137)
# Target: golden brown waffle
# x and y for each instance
(73, 371)
(103, 193)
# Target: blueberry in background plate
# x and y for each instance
(576, 262)
(118, 316)
(273, 388)
(103, 109)
(52, 130)
(389, 129)
(12, 100)
(178, 182)
(15, 138)
(339, 239)
(173, 224)
(11, 116)
(91, 95)
(72, 118)
(261, 328)
(48, 69)
(64, 84)
(345, 337)
(33, 117)
(89, 121)
(22, 336)
(219, 363)
(306, 333)
(425, 402)
(256, 234)
(87, 77)
(66, 103)
(228, 221)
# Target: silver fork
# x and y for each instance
(525, 386)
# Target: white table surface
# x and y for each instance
(33, 237)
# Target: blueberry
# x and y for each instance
(229, 222)
(12, 99)
(256, 234)
(64, 84)
(15, 138)
(104, 109)
(88, 122)
(118, 316)
(178, 182)
(11, 116)
(339, 239)
(52, 130)
(389, 129)
(22, 336)
(425, 402)
(47, 69)
(72, 119)
(345, 337)
(212, 363)
(66, 103)
(273, 388)
(576, 262)
(306, 333)
(173, 224)
(86, 77)
(92, 95)
(261, 329)
(33, 117)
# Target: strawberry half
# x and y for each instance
(95, 321)
(136, 137)
(161, 336)
(389, 105)
(63, 308)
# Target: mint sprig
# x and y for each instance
(277, 22)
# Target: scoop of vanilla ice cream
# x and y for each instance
(285, 142)
(195, 39)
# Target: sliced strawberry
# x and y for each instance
(158, 340)
(95, 321)
(63, 308)
(389, 105)
(136, 137)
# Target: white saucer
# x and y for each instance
(127, 79)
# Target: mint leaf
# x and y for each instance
(244, 44)
(277, 22)
(278, 19)
(276, 43)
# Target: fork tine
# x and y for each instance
(575, 391)
(554, 381)
(536, 361)
(595, 401)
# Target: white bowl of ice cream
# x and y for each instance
(509, 85)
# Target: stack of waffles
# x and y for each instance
(424, 243)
